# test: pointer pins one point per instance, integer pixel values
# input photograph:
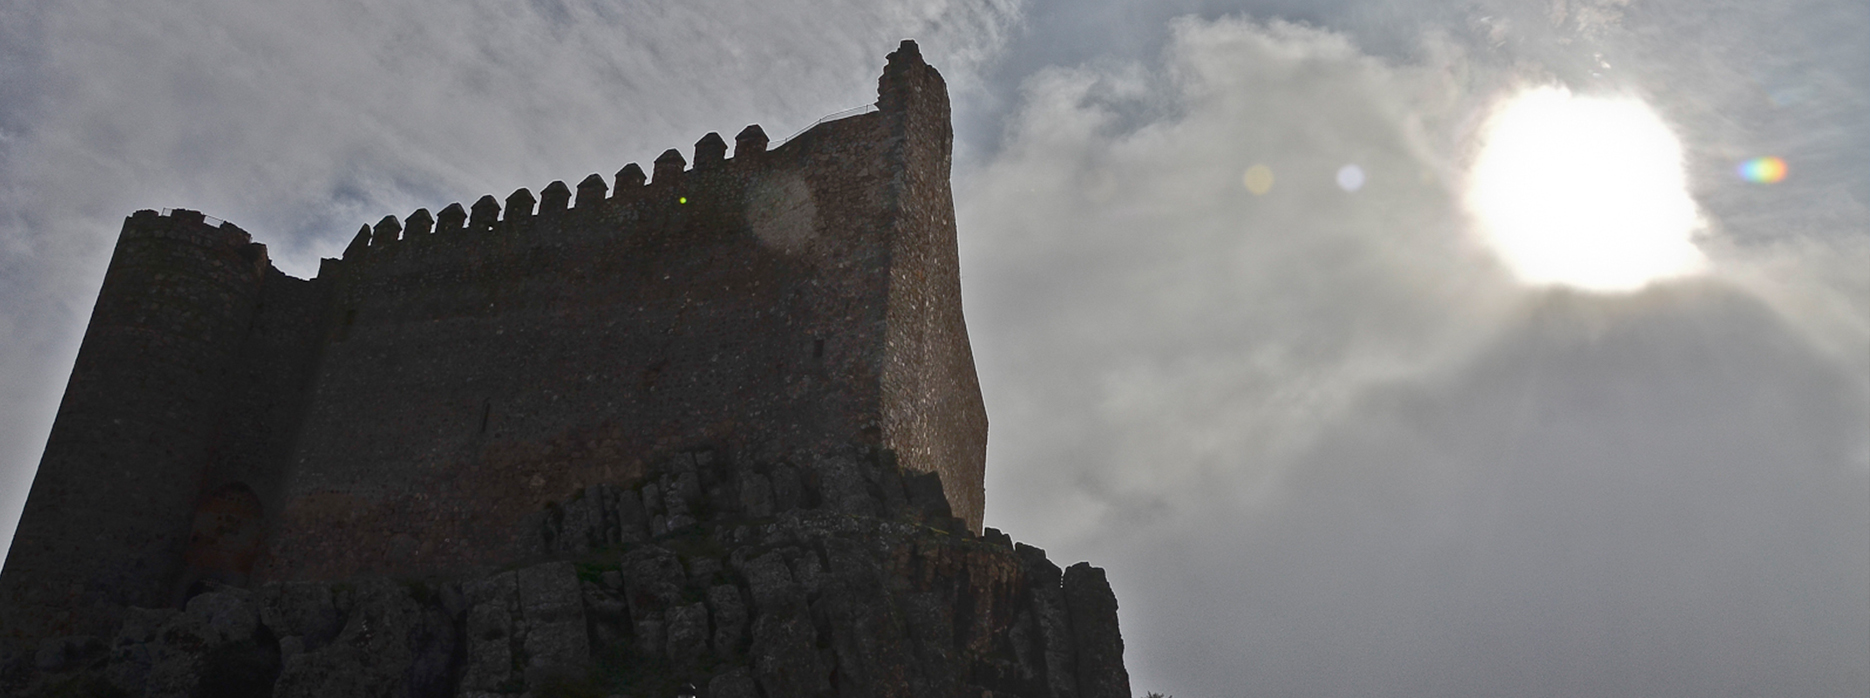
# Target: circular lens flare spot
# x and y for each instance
(1350, 178)
(1584, 192)
(1259, 179)
(1766, 170)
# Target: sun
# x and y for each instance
(1584, 192)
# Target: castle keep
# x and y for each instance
(746, 353)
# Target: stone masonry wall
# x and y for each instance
(933, 413)
(471, 375)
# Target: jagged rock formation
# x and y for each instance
(845, 576)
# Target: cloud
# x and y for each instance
(302, 121)
(1327, 446)
(1322, 441)
(1118, 259)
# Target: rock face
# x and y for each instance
(841, 577)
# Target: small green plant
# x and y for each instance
(593, 572)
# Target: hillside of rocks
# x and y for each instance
(842, 577)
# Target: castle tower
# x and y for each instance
(933, 415)
(108, 519)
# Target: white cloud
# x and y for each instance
(1326, 446)
(1117, 261)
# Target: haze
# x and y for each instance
(1325, 437)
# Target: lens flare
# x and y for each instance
(1766, 170)
(1258, 179)
(1584, 192)
(1350, 178)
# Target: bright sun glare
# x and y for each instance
(1584, 192)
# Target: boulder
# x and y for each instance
(652, 580)
(551, 605)
(687, 632)
(730, 619)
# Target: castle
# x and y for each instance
(478, 388)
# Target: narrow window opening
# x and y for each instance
(818, 348)
(486, 411)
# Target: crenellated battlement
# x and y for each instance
(673, 179)
(185, 225)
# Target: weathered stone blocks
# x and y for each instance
(551, 606)
(809, 602)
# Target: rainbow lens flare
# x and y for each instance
(1766, 170)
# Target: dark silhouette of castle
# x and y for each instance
(409, 408)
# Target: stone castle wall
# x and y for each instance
(738, 305)
(405, 411)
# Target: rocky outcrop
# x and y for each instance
(844, 577)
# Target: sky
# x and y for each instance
(1324, 434)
